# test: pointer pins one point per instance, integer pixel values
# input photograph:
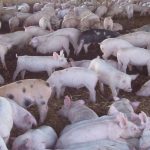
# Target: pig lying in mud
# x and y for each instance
(76, 111)
(29, 92)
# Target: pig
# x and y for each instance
(114, 129)
(129, 10)
(81, 63)
(36, 31)
(133, 56)
(24, 7)
(22, 119)
(138, 39)
(39, 139)
(39, 63)
(143, 28)
(93, 36)
(2, 144)
(37, 7)
(76, 111)
(28, 92)
(13, 23)
(116, 80)
(100, 145)
(108, 23)
(62, 12)
(6, 121)
(44, 23)
(51, 45)
(111, 46)
(72, 33)
(117, 27)
(76, 77)
(144, 90)
(101, 11)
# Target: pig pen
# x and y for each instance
(103, 101)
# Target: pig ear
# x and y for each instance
(122, 120)
(82, 102)
(55, 55)
(135, 104)
(143, 117)
(133, 77)
(113, 110)
(67, 101)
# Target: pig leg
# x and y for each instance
(43, 109)
(3, 61)
(86, 47)
(124, 67)
(148, 67)
(79, 47)
(114, 93)
(58, 93)
(23, 74)
(101, 87)
(62, 91)
(106, 55)
(66, 48)
(92, 94)
(16, 73)
(49, 72)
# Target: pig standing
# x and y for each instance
(51, 44)
(116, 80)
(144, 90)
(29, 92)
(98, 129)
(133, 56)
(39, 63)
(39, 139)
(93, 36)
(76, 111)
(108, 23)
(76, 77)
(44, 23)
(111, 46)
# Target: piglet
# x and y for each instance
(76, 111)
(39, 139)
(39, 63)
(29, 92)
(76, 77)
(108, 23)
(144, 90)
(116, 80)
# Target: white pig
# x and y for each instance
(44, 23)
(133, 56)
(24, 7)
(76, 111)
(112, 77)
(38, 139)
(13, 23)
(36, 31)
(76, 77)
(29, 92)
(95, 129)
(138, 39)
(39, 63)
(2, 144)
(144, 90)
(51, 44)
(108, 23)
(110, 46)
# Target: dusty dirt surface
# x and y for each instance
(103, 101)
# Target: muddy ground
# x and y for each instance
(103, 101)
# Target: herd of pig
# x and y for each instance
(50, 29)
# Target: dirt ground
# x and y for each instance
(103, 101)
